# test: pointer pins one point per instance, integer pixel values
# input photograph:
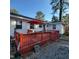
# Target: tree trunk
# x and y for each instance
(60, 14)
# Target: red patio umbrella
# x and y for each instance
(36, 22)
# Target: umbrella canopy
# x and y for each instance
(36, 21)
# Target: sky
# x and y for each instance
(30, 7)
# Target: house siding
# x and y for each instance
(25, 27)
(59, 27)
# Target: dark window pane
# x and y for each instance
(19, 25)
(40, 26)
(54, 26)
(31, 26)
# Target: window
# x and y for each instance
(31, 26)
(40, 26)
(19, 25)
(48, 25)
(54, 26)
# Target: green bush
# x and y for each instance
(66, 33)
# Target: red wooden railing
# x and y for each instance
(27, 41)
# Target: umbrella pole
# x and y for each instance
(44, 27)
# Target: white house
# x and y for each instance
(25, 23)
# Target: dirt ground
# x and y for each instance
(52, 50)
(55, 50)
